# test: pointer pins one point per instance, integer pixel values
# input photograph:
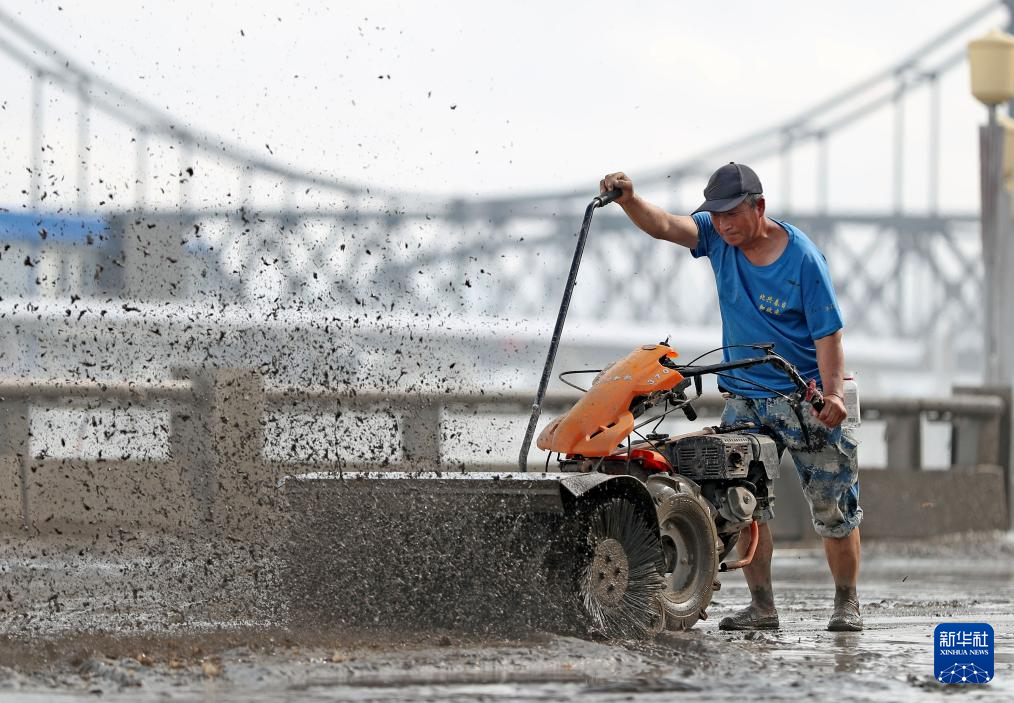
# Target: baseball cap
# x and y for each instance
(728, 187)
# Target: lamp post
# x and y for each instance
(991, 59)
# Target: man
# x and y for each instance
(773, 286)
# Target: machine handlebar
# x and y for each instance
(808, 391)
(607, 197)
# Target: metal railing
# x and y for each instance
(217, 434)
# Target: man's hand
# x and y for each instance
(618, 180)
(833, 413)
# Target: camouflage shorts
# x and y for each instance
(827, 466)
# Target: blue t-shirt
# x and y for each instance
(789, 302)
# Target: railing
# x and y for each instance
(526, 249)
(217, 439)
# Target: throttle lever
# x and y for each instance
(687, 408)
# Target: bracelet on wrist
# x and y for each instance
(837, 395)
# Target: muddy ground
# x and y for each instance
(160, 621)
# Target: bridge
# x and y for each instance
(301, 258)
(908, 272)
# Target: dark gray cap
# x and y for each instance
(728, 187)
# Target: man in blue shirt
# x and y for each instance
(774, 286)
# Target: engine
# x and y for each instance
(735, 471)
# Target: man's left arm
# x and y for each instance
(831, 365)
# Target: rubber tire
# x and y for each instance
(692, 520)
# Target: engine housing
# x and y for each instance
(723, 456)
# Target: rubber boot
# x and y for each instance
(749, 619)
(846, 617)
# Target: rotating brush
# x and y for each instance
(621, 583)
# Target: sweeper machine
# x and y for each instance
(623, 538)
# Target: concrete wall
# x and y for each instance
(929, 503)
(216, 480)
(903, 504)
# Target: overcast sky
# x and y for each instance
(504, 98)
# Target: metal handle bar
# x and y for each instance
(812, 395)
(597, 202)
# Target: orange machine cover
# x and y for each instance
(602, 419)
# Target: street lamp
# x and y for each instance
(991, 59)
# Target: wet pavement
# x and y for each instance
(213, 639)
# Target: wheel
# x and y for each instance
(688, 538)
(614, 579)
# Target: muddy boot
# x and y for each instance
(846, 617)
(750, 618)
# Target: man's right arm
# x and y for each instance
(678, 229)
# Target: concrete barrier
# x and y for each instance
(905, 505)
(216, 479)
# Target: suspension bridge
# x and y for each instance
(200, 253)
(909, 274)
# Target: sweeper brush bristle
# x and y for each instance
(622, 580)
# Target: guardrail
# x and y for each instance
(977, 419)
(216, 437)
